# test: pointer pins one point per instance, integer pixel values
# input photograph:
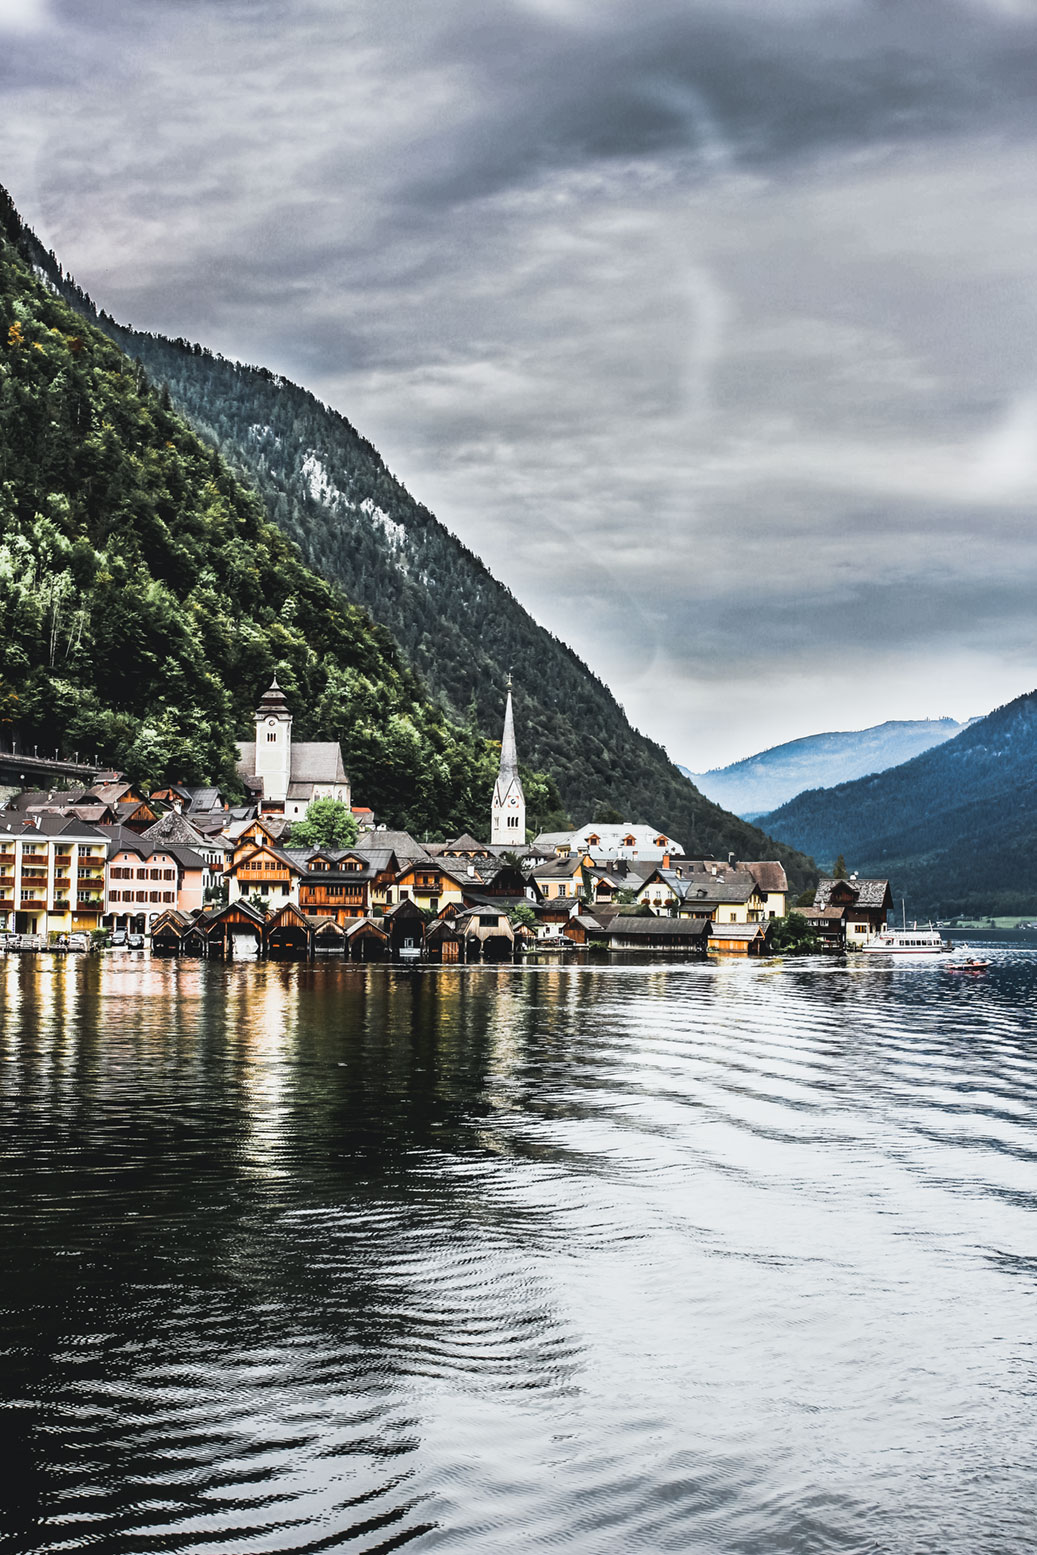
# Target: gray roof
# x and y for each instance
(645, 928)
(869, 893)
(737, 930)
(732, 886)
(313, 761)
(399, 842)
(173, 827)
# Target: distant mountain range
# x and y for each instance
(761, 783)
(955, 829)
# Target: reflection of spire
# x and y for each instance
(508, 753)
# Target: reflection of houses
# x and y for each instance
(862, 906)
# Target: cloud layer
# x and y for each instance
(710, 328)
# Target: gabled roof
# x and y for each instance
(647, 928)
(558, 868)
(174, 827)
(50, 826)
(400, 842)
(735, 886)
(768, 874)
(867, 893)
(463, 845)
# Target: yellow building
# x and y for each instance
(51, 875)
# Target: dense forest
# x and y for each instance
(955, 829)
(327, 489)
(146, 600)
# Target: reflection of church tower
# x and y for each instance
(274, 744)
(508, 823)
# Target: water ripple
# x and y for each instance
(597, 1258)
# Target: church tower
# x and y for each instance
(274, 744)
(508, 819)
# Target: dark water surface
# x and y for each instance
(602, 1259)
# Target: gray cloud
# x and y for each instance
(711, 329)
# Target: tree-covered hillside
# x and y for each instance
(145, 599)
(461, 630)
(955, 829)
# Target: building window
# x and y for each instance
(513, 820)
(271, 736)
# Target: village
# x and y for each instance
(196, 873)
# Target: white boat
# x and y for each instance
(906, 942)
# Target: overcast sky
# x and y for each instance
(711, 326)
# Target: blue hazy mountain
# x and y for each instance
(954, 830)
(762, 782)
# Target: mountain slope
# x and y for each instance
(328, 489)
(145, 599)
(772, 777)
(955, 829)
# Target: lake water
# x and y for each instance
(596, 1259)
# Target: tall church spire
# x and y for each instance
(508, 813)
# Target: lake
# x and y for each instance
(610, 1258)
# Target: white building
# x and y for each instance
(508, 813)
(612, 842)
(289, 774)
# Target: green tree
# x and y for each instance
(793, 936)
(839, 872)
(328, 823)
(522, 913)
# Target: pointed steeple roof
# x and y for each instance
(508, 751)
(272, 701)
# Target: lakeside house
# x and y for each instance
(849, 912)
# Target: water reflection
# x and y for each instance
(629, 1257)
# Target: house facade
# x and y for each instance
(51, 875)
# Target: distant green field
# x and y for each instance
(993, 923)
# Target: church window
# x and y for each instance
(271, 737)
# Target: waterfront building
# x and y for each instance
(145, 879)
(508, 810)
(51, 874)
(862, 905)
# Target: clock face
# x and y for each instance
(271, 722)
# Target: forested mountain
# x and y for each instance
(462, 631)
(955, 829)
(773, 777)
(146, 600)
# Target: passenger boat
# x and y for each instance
(905, 942)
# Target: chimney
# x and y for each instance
(666, 861)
